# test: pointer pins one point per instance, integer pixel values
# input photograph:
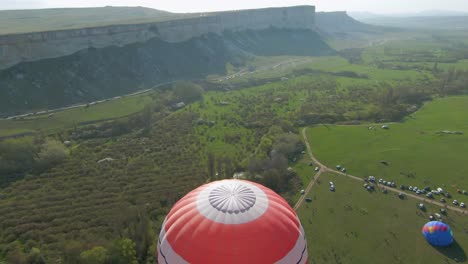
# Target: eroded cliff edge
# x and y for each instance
(16, 48)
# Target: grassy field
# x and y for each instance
(352, 225)
(328, 65)
(69, 118)
(416, 154)
(420, 52)
(250, 112)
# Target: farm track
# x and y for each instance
(81, 105)
(324, 168)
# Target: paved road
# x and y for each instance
(324, 168)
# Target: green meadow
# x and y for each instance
(352, 225)
(74, 117)
(416, 154)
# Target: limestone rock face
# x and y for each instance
(16, 48)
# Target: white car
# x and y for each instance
(302, 191)
(462, 205)
(316, 169)
(455, 202)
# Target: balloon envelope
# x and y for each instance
(438, 233)
(232, 221)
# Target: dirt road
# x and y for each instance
(324, 168)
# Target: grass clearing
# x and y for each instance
(416, 154)
(74, 117)
(352, 225)
(333, 65)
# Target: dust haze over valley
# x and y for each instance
(355, 114)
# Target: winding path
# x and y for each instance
(324, 168)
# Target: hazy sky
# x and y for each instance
(379, 6)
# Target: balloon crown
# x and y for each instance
(232, 198)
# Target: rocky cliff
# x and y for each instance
(94, 74)
(16, 48)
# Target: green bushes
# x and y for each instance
(187, 92)
(96, 255)
(123, 252)
(17, 155)
(94, 203)
(15, 254)
(52, 153)
(27, 155)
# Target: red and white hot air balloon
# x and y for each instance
(232, 221)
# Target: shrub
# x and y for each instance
(52, 153)
(123, 252)
(96, 255)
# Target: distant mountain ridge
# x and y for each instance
(52, 69)
(16, 48)
(25, 21)
(364, 15)
(93, 74)
(422, 22)
(58, 68)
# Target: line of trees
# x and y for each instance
(121, 251)
(29, 155)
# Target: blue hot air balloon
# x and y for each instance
(438, 234)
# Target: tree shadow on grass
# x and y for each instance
(454, 251)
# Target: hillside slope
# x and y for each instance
(94, 74)
(426, 22)
(339, 24)
(22, 21)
